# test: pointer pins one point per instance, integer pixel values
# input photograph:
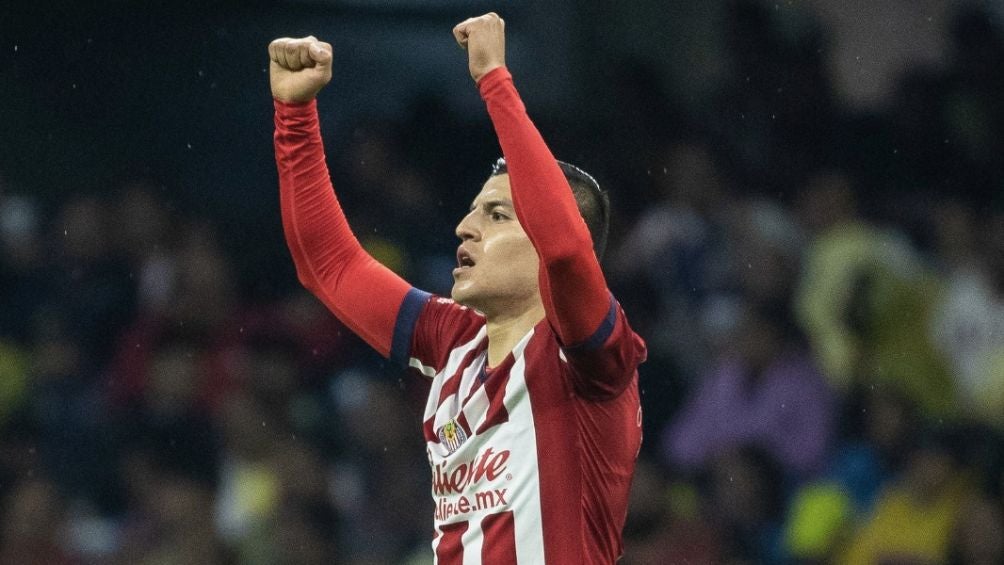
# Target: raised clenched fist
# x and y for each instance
(484, 39)
(299, 68)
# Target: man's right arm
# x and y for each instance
(330, 262)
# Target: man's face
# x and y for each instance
(496, 263)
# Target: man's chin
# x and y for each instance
(458, 295)
(463, 295)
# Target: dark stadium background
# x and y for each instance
(811, 185)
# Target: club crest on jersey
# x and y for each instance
(452, 435)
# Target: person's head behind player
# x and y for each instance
(497, 264)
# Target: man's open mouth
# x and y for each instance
(464, 259)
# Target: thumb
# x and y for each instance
(321, 53)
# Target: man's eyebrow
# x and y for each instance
(493, 203)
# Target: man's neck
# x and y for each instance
(504, 332)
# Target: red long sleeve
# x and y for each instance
(574, 292)
(330, 262)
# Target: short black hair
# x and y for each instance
(593, 202)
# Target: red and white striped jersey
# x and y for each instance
(531, 461)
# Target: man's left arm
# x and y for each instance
(587, 320)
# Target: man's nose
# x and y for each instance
(467, 229)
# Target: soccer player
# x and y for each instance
(533, 421)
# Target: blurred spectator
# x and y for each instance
(765, 393)
(22, 265)
(249, 483)
(203, 303)
(880, 422)
(380, 468)
(168, 419)
(89, 284)
(142, 231)
(676, 252)
(13, 380)
(968, 325)
(864, 297)
(879, 426)
(170, 517)
(818, 521)
(64, 405)
(767, 247)
(306, 523)
(32, 525)
(747, 504)
(376, 174)
(915, 516)
(667, 522)
(978, 537)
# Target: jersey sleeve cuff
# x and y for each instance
(601, 334)
(295, 106)
(404, 327)
(494, 77)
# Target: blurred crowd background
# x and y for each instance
(808, 231)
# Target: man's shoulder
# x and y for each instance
(451, 319)
(443, 330)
